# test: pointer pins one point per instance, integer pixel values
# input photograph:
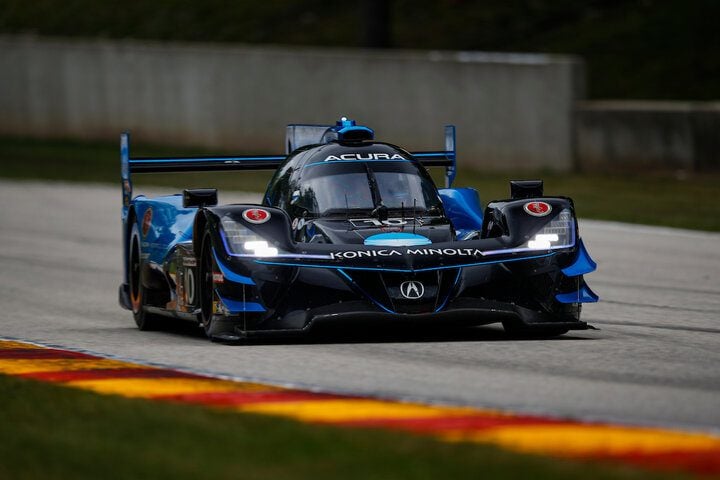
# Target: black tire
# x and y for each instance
(217, 327)
(145, 321)
(205, 284)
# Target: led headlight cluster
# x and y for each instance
(242, 240)
(559, 233)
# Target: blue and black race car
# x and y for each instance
(349, 229)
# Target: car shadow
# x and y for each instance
(360, 334)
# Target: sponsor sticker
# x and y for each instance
(537, 209)
(374, 222)
(364, 156)
(146, 221)
(218, 277)
(256, 215)
(391, 252)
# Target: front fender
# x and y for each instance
(276, 230)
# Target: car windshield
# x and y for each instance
(336, 188)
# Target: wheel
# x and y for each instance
(217, 328)
(205, 285)
(144, 320)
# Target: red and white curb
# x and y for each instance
(653, 448)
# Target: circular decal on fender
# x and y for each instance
(537, 209)
(147, 219)
(256, 215)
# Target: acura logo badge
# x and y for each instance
(412, 290)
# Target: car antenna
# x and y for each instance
(347, 213)
(414, 221)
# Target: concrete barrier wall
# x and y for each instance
(654, 135)
(512, 111)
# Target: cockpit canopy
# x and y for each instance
(341, 179)
(334, 188)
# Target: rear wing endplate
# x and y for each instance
(446, 158)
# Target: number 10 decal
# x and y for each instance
(390, 222)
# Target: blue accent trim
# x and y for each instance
(223, 237)
(450, 292)
(433, 154)
(584, 295)
(238, 306)
(345, 274)
(365, 293)
(352, 161)
(141, 161)
(397, 240)
(404, 270)
(582, 265)
(229, 274)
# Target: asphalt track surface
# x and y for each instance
(654, 360)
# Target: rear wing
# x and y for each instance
(296, 136)
(130, 165)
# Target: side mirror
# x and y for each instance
(200, 197)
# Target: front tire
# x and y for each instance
(206, 285)
(145, 321)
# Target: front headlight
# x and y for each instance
(260, 248)
(559, 233)
(243, 241)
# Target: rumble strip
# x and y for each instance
(652, 448)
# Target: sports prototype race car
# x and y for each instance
(349, 229)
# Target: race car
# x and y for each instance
(349, 230)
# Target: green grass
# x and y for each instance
(659, 198)
(665, 198)
(49, 431)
